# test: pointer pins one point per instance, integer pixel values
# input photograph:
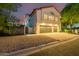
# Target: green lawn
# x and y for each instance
(70, 48)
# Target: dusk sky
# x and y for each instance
(28, 7)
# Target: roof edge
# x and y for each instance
(44, 7)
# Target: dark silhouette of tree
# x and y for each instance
(6, 17)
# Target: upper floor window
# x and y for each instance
(45, 16)
(48, 17)
(51, 17)
(52, 13)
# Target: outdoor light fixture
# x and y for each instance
(43, 24)
(46, 24)
(55, 25)
(50, 24)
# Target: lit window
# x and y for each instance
(45, 16)
(51, 17)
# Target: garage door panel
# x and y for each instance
(45, 29)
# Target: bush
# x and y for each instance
(4, 34)
(67, 30)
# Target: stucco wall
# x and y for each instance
(40, 17)
(41, 12)
(32, 23)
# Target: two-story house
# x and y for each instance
(44, 20)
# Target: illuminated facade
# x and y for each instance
(44, 19)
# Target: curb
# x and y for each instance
(31, 50)
(49, 46)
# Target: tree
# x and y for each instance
(70, 14)
(10, 6)
(5, 15)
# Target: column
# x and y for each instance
(37, 29)
(58, 28)
(52, 29)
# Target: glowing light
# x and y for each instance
(46, 24)
(55, 25)
(50, 24)
(43, 24)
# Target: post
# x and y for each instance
(71, 25)
(37, 29)
(24, 29)
(52, 29)
(24, 26)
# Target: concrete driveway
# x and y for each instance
(15, 43)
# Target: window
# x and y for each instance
(45, 16)
(51, 17)
(48, 17)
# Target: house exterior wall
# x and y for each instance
(48, 11)
(32, 23)
(36, 19)
(41, 12)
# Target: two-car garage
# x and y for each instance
(48, 29)
(45, 29)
